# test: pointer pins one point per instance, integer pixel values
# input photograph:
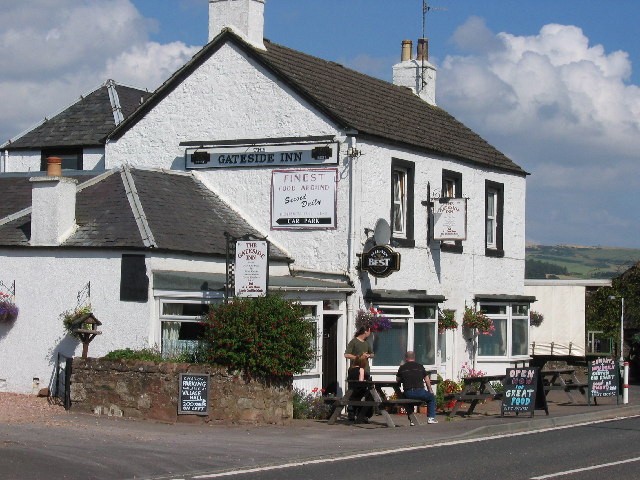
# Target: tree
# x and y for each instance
(603, 313)
(260, 336)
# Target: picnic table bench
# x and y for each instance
(474, 391)
(375, 397)
(564, 379)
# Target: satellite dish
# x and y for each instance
(382, 232)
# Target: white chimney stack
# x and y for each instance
(244, 17)
(419, 75)
(53, 207)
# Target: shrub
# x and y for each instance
(260, 336)
(310, 405)
(149, 355)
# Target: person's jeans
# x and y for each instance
(422, 394)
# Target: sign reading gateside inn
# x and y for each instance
(264, 155)
(449, 218)
(251, 268)
(303, 199)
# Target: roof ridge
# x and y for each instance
(136, 208)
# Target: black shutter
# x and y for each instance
(134, 282)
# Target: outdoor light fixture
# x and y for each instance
(353, 152)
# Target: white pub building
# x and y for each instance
(368, 193)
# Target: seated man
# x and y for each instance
(413, 377)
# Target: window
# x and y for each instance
(71, 158)
(511, 335)
(402, 173)
(451, 188)
(312, 315)
(415, 327)
(180, 327)
(494, 207)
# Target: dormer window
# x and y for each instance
(71, 158)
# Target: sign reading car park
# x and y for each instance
(303, 199)
(381, 261)
(263, 155)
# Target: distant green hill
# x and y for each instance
(569, 261)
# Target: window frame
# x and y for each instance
(495, 248)
(455, 179)
(403, 238)
(65, 153)
(411, 322)
(509, 316)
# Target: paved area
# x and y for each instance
(113, 442)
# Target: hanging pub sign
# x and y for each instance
(262, 155)
(449, 219)
(303, 199)
(251, 268)
(381, 261)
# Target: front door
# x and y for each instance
(330, 354)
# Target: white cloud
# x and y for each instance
(54, 51)
(566, 112)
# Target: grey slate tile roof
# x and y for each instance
(85, 123)
(376, 109)
(182, 214)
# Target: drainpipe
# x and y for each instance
(5, 161)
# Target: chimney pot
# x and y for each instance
(423, 49)
(407, 48)
(54, 166)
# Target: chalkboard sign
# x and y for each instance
(604, 378)
(523, 391)
(193, 394)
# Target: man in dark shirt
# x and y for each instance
(414, 377)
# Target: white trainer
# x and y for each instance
(432, 420)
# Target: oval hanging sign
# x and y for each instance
(381, 261)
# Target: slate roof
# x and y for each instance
(85, 123)
(376, 109)
(180, 212)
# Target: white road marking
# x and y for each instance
(398, 450)
(585, 469)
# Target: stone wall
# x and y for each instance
(149, 390)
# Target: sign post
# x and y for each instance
(193, 394)
(247, 266)
(604, 379)
(523, 392)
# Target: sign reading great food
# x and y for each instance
(303, 199)
(263, 155)
(251, 268)
(450, 219)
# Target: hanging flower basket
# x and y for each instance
(8, 309)
(447, 321)
(372, 319)
(478, 321)
(535, 318)
(69, 319)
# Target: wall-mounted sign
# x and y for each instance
(263, 155)
(251, 268)
(303, 199)
(193, 390)
(381, 261)
(449, 218)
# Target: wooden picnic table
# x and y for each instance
(476, 390)
(375, 397)
(563, 379)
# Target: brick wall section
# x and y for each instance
(148, 390)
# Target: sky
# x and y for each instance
(550, 83)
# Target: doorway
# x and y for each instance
(330, 354)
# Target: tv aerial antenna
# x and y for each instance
(426, 8)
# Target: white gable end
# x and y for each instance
(230, 96)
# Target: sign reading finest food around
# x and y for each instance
(263, 155)
(450, 219)
(603, 378)
(193, 390)
(251, 268)
(523, 391)
(303, 199)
